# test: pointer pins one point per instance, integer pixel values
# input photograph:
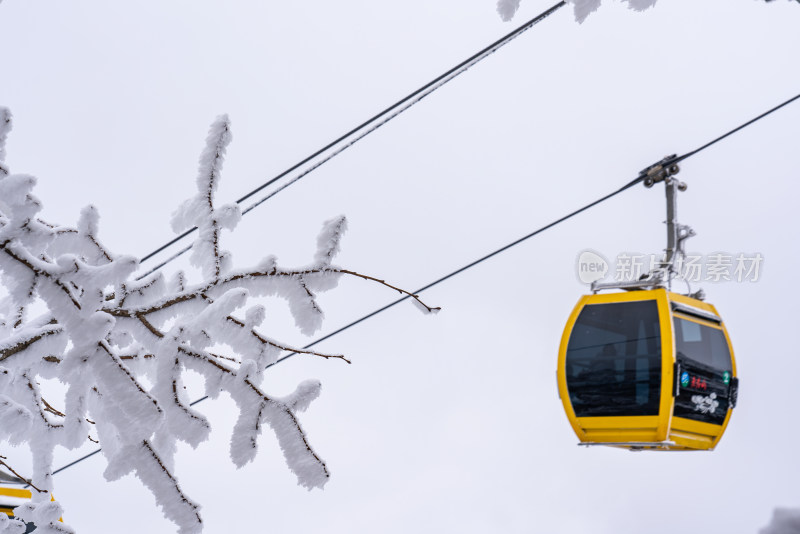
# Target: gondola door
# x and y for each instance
(615, 359)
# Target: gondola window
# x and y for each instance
(614, 360)
(705, 361)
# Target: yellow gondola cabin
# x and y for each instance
(647, 369)
(644, 368)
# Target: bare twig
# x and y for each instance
(136, 356)
(399, 290)
(223, 357)
(202, 291)
(27, 480)
(271, 343)
(147, 324)
(48, 407)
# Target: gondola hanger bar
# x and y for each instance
(661, 171)
(664, 171)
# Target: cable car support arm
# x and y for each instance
(662, 171)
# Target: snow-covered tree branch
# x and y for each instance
(581, 8)
(99, 331)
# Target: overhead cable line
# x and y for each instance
(373, 123)
(740, 127)
(670, 160)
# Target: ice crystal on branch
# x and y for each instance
(103, 330)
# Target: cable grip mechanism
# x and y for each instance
(662, 171)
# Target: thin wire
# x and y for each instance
(338, 151)
(625, 187)
(175, 256)
(740, 127)
(345, 147)
(426, 89)
(82, 458)
(315, 166)
(469, 266)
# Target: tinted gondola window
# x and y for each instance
(705, 371)
(613, 364)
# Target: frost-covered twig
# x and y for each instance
(245, 280)
(5, 127)
(582, 8)
(104, 331)
(17, 344)
(38, 270)
(200, 211)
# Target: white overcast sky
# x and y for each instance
(448, 423)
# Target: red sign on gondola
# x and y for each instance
(698, 383)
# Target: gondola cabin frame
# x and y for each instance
(680, 416)
(10, 498)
